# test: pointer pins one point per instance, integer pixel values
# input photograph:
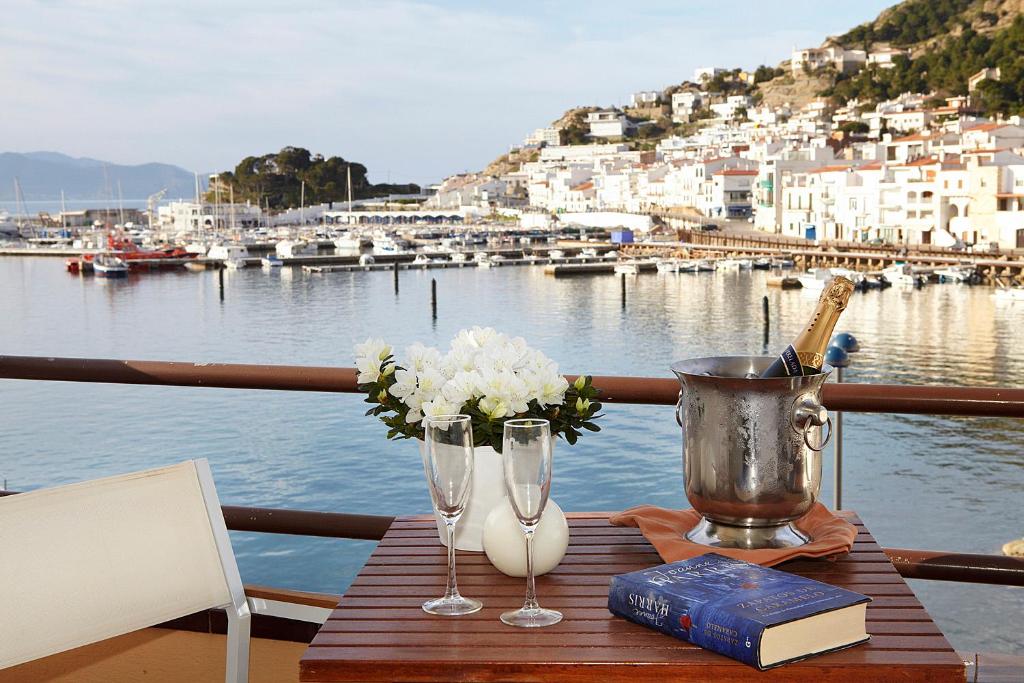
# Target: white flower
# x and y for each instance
(430, 382)
(376, 349)
(405, 384)
(368, 370)
(492, 407)
(461, 387)
(413, 416)
(439, 406)
(422, 357)
(552, 389)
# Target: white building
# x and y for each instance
(732, 105)
(544, 136)
(684, 104)
(644, 98)
(836, 56)
(192, 216)
(608, 123)
(884, 58)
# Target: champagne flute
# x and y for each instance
(448, 463)
(526, 454)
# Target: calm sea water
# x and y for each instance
(917, 481)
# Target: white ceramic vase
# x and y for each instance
(487, 490)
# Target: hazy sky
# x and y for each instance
(414, 90)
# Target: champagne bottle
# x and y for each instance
(806, 354)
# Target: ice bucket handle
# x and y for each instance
(808, 414)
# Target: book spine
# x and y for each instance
(690, 620)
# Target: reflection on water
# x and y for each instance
(918, 481)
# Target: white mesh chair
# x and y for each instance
(89, 561)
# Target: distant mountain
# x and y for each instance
(43, 175)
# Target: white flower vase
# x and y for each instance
(487, 491)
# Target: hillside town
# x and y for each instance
(917, 169)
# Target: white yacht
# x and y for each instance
(706, 266)
(235, 263)
(223, 252)
(556, 253)
(295, 248)
(348, 241)
(955, 273)
(903, 274)
(458, 257)
(589, 252)
(384, 243)
(627, 268)
(727, 264)
(669, 265)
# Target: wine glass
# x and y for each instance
(448, 463)
(526, 455)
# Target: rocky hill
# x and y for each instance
(946, 40)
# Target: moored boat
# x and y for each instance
(271, 261)
(903, 274)
(668, 266)
(108, 265)
(627, 268)
(235, 263)
(955, 273)
(295, 248)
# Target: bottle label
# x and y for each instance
(791, 361)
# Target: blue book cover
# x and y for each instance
(760, 616)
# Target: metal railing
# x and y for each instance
(877, 398)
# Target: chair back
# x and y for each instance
(93, 560)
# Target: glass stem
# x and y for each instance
(452, 591)
(531, 592)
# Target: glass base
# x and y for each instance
(532, 618)
(452, 607)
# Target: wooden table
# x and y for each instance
(379, 633)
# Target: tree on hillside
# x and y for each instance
(277, 179)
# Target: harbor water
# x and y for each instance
(917, 481)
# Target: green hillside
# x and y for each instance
(945, 66)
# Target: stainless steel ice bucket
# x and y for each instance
(751, 449)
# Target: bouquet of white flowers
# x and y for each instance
(486, 375)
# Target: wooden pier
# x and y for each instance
(990, 267)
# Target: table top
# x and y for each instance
(379, 632)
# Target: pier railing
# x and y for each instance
(877, 398)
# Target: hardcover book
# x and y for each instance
(762, 617)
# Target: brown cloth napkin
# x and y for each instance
(665, 529)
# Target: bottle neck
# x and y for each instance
(811, 343)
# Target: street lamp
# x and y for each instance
(838, 356)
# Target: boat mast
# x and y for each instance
(348, 169)
(302, 204)
(199, 209)
(231, 189)
(120, 204)
(18, 207)
(63, 212)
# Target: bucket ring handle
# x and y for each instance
(808, 413)
(828, 437)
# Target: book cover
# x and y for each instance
(726, 605)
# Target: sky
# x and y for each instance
(416, 91)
